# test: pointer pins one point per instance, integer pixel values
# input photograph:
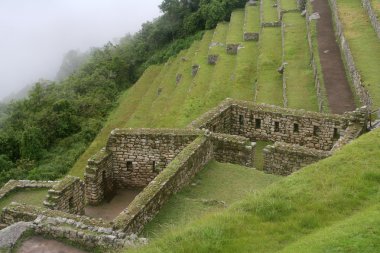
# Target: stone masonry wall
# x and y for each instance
(139, 155)
(99, 177)
(175, 176)
(372, 16)
(284, 159)
(233, 149)
(356, 80)
(68, 196)
(271, 123)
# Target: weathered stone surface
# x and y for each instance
(284, 159)
(253, 3)
(67, 195)
(232, 48)
(212, 59)
(10, 235)
(271, 24)
(251, 36)
(194, 70)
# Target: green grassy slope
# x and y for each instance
(359, 233)
(301, 91)
(204, 195)
(128, 103)
(376, 6)
(364, 44)
(269, 81)
(308, 201)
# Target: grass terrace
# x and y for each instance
(34, 197)
(216, 184)
(301, 92)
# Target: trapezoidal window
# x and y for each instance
(129, 165)
(277, 126)
(296, 128)
(71, 203)
(336, 133)
(154, 169)
(316, 130)
(257, 123)
(241, 120)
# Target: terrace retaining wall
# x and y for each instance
(356, 80)
(373, 17)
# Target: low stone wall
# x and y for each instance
(138, 155)
(99, 177)
(284, 159)
(175, 176)
(233, 149)
(67, 195)
(356, 80)
(251, 36)
(14, 185)
(78, 232)
(373, 17)
(16, 212)
(271, 24)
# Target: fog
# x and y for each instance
(35, 35)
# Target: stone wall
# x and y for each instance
(355, 77)
(99, 177)
(272, 123)
(139, 155)
(232, 48)
(16, 212)
(178, 174)
(68, 195)
(284, 159)
(373, 17)
(233, 149)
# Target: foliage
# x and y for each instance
(42, 135)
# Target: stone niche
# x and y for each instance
(250, 36)
(67, 196)
(212, 59)
(232, 48)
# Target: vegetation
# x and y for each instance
(208, 194)
(309, 202)
(42, 135)
(28, 196)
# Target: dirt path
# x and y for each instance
(338, 90)
(39, 244)
(108, 211)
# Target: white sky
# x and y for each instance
(35, 34)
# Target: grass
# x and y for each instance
(201, 198)
(269, 81)
(259, 154)
(301, 91)
(127, 105)
(364, 44)
(376, 7)
(252, 18)
(235, 29)
(359, 233)
(28, 196)
(313, 199)
(269, 13)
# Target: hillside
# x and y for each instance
(327, 206)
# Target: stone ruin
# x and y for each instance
(163, 161)
(232, 48)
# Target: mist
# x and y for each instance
(35, 35)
